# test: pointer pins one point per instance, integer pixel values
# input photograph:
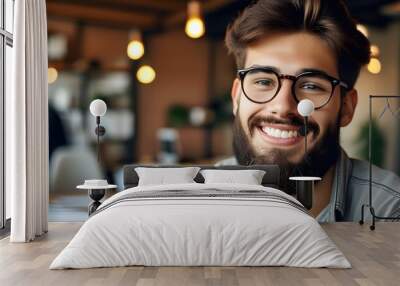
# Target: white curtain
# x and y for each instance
(27, 123)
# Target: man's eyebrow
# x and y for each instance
(275, 69)
(310, 70)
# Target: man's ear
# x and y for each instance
(349, 103)
(235, 94)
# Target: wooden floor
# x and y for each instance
(375, 257)
(71, 206)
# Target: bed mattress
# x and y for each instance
(201, 225)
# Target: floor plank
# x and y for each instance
(375, 257)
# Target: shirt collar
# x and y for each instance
(340, 184)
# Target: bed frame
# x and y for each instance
(270, 179)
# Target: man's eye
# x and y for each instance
(312, 86)
(264, 82)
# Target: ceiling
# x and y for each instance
(154, 16)
(147, 15)
(377, 13)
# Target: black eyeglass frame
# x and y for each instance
(334, 82)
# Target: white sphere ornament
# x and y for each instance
(305, 107)
(98, 107)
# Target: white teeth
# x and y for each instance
(277, 133)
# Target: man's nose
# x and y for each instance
(283, 105)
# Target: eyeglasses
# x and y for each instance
(262, 84)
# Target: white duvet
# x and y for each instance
(188, 231)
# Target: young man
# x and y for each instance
(286, 51)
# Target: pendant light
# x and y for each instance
(135, 49)
(194, 25)
(146, 74)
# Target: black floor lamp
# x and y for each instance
(98, 108)
(305, 184)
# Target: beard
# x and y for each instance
(316, 162)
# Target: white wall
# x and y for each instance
(384, 83)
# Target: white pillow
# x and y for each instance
(163, 176)
(248, 177)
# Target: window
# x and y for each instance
(6, 44)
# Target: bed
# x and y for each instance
(201, 224)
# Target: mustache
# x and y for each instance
(256, 121)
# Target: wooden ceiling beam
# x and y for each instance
(167, 6)
(139, 6)
(88, 13)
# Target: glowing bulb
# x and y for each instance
(195, 28)
(146, 74)
(135, 49)
(374, 51)
(52, 75)
(362, 29)
(374, 66)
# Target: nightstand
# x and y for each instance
(305, 190)
(96, 193)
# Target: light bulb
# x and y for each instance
(363, 29)
(374, 51)
(305, 107)
(52, 75)
(98, 107)
(135, 49)
(146, 74)
(195, 28)
(374, 66)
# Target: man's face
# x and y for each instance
(259, 127)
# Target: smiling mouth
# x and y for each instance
(284, 135)
(280, 133)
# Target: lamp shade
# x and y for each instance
(98, 107)
(305, 107)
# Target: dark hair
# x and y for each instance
(328, 19)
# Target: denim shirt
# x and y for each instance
(350, 190)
